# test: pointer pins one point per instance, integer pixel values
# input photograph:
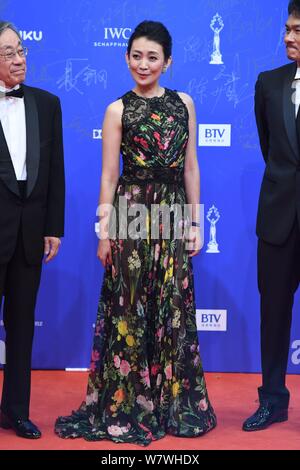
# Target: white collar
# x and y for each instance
(297, 76)
(5, 90)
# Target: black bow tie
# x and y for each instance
(19, 93)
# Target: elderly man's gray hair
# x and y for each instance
(4, 25)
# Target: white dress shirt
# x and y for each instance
(12, 117)
(297, 92)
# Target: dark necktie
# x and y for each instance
(19, 93)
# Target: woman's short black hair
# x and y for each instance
(153, 31)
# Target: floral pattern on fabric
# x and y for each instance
(146, 377)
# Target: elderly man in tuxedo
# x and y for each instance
(31, 216)
(277, 100)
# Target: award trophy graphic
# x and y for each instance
(216, 25)
(213, 217)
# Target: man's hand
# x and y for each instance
(51, 247)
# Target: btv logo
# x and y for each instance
(117, 33)
(31, 35)
(211, 320)
(214, 135)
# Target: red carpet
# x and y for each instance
(233, 397)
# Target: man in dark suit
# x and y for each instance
(277, 101)
(31, 216)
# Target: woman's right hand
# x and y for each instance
(104, 252)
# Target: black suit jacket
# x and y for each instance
(42, 212)
(279, 201)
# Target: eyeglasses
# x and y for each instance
(11, 54)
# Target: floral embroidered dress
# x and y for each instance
(146, 378)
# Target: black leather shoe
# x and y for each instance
(22, 427)
(266, 415)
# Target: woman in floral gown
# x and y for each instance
(146, 379)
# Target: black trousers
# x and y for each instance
(19, 283)
(278, 280)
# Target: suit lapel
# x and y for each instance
(32, 139)
(7, 172)
(289, 110)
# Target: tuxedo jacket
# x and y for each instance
(279, 201)
(41, 212)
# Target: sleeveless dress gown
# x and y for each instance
(146, 378)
